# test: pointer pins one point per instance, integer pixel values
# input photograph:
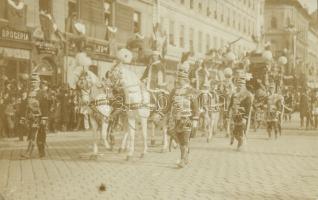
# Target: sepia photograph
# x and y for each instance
(158, 99)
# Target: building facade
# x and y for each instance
(204, 24)
(287, 27)
(312, 58)
(38, 36)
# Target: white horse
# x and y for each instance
(136, 104)
(95, 99)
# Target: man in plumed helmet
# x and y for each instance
(155, 73)
(37, 116)
(155, 76)
(274, 109)
(184, 112)
(33, 114)
(240, 108)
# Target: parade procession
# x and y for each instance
(179, 84)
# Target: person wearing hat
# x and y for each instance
(274, 109)
(155, 73)
(239, 108)
(201, 74)
(155, 76)
(34, 118)
(184, 111)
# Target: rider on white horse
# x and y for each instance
(155, 75)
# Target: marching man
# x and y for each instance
(274, 108)
(183, 106)
(240, 108)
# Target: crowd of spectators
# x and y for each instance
(62, 105)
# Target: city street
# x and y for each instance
(286, 168)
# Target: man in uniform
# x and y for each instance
(240, 108)
(274, 108)
(183, 106)
(37, 131)
(44, 101)
(156, 85)
(33, 114)
(154, 73)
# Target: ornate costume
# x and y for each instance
(183, 108)
(274, 109)
(239, 109)
(34, 118)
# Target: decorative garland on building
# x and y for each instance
(18, 6)
(49, 16)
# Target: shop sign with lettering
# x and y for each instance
(92, 48)
(46, 48)
(15, 53)
(98, 49)
(9, 34)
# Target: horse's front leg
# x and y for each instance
(104, 133)
(153, 132)
(144, 133)
(132, 131)
(124, 142)
(165, 138)
(210, 127)
(96, 136)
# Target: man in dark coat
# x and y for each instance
(305, 108)
(239, 108)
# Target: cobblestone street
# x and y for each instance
(265, 169)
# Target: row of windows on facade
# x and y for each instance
(301, 28)
(46, 5)
(216, 43)
(231, 19)
(225, 15)
(172, 37)
(247, 3)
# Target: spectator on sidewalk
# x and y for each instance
(305, 109)
(315, 109)
(21, 128)
(10, 117)
(2, 118)
(65, 108)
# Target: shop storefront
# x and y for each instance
(15, 52)
(47, 58)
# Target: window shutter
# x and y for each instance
(124, 22)
(92, 10)
(3, 6)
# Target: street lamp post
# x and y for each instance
(293, 32)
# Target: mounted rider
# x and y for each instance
(183, 107)
(240, 108)
(155, 76)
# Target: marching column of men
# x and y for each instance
(183, 106)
